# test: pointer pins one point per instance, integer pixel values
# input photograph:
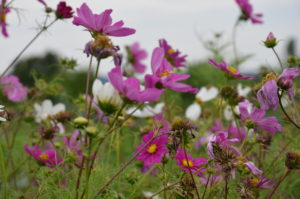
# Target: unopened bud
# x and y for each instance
(271, 41)
(91, 130)
(81, 121)
(292, 160)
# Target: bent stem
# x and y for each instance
(279, 182)
(102, 189)
(278, 58)
(284, 111)
(164, 189)
(234, 30)
(44, 28)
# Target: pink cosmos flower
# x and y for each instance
(100, 23)
(135, 56)
(231, 71)
(163, 77)
(256, 119)
(63, 11)
(221, 139)
(154, 151)
(247, 12)
(188, 163)
(259, 183)
(171, 55)
(267, 96)
(13, 88)
(3, 12)
(50, 157)
(130, 88)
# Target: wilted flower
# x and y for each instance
(231, 71)
(247, 12)
(147, 111)
(100, 23)
(73, 145)
(163, 77)
(50, 157)
(3, 12)
(271, 41)
(154, 151)
(193, 111)
(130, 88)
(256, 119)
(259, 183)
(63, 11)
(47, 109)
(107, 96)
(174, 57)
(135, 57)
(188, 163)
(13, 88)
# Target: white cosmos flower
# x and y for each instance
(46, 109)
(2, 119)
(106, 93)
(147, 111)
(243, 91)
(228, 112)
(148, 194)
(205, 94)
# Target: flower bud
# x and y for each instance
(285, 83)
(271, 41)
(292, 160)
(80, 121)
(91, 130)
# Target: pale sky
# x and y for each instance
(175, 20)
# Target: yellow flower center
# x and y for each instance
(232, 69)
(152, 148)
(171, 51)
(241, 160)
(44, 156)
(163, 74)
(254, 181)
(187, 163)
(199, 100)
(269, 77)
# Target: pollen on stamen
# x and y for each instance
(198, 100)
(163, 74)
(232, 69)
(44, 156)
(152, 148)
(171, 51)
(187, 163)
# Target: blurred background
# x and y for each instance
(182, 22)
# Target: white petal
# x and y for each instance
(193, 111)
(243, 91)
(58, 108)
(210, 94)
(97, 87)
(228, 113)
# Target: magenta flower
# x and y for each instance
(188, 163)
(231, 71)
(256, 119)
(130, 88)
(259, 183)
(3, 12)
(251, 166)
(135, 56)
(73, 144)
(267, 96)
(222, 140)
(154, 151)
(50, 157)
(174, 57)
(163, 77)
(63, 11)
(247, 12)
(13, 88)
(236, 132)
(100, 23)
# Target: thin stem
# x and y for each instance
(206, 185)
(285, 113)
(226, 186)
(102, 189)
(164, 189)
(234, 30)
(279, 182)
(190, 172)
(88, 79)
(27, 46)
(278, 58)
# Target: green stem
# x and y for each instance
(279, 182)
(206, 185)
(278, 58)
(3, 171)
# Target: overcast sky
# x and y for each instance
(175, 20)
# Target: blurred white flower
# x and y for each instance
(243, 91)
(228, 112)
(2, 111)
(194, 111)
(147, 111)
(46, 109)
(148, 194)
